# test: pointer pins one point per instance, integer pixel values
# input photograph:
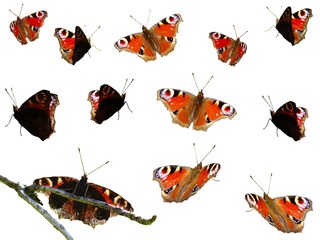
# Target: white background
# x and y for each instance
(141, 141)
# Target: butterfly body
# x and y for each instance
(228, 49)
(36, 114)
(105, 102)
(159, 38)
(73, 210)
(290, 120)
(286, 213)
(186, 108)
(73, 46)
(293, 27)
(28, 27)
(178, 183)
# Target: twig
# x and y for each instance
(22, 193)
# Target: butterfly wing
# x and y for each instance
(292, 211)
(258, 203)
(104, 103)
(36, 114)
(81, 46)
(137, 43)
(169, 179)
(300, 21)
(164, 33)
(205, 174)
(180, 104)
(210, 111)
(290, 120)
(301, 115)
(238, 52)
(28, 27)
(67, 43)
(284, 25)
(94, 215)
(227, 48)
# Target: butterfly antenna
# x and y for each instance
(82, 164)
(195, 153)
(98, 168)
(136, 20)
(234, 27)
(207, 82)
(94, 32)
(208, 153)
(270, 106)
(13, 98)
(148, 17)
(19, 12)
(269, 183)
(125, 87)
(269, 103)
(194, 78)
(272, 13)
(258, 184)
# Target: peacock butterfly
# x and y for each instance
(228, 48)
(293, 27)
(286, 213)
(36, 114)
(186, 108)
(28, 27)
(106, 101)
(159, 38)
(73, 46)
(178, 183)
(73, 210)
(289, 119)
